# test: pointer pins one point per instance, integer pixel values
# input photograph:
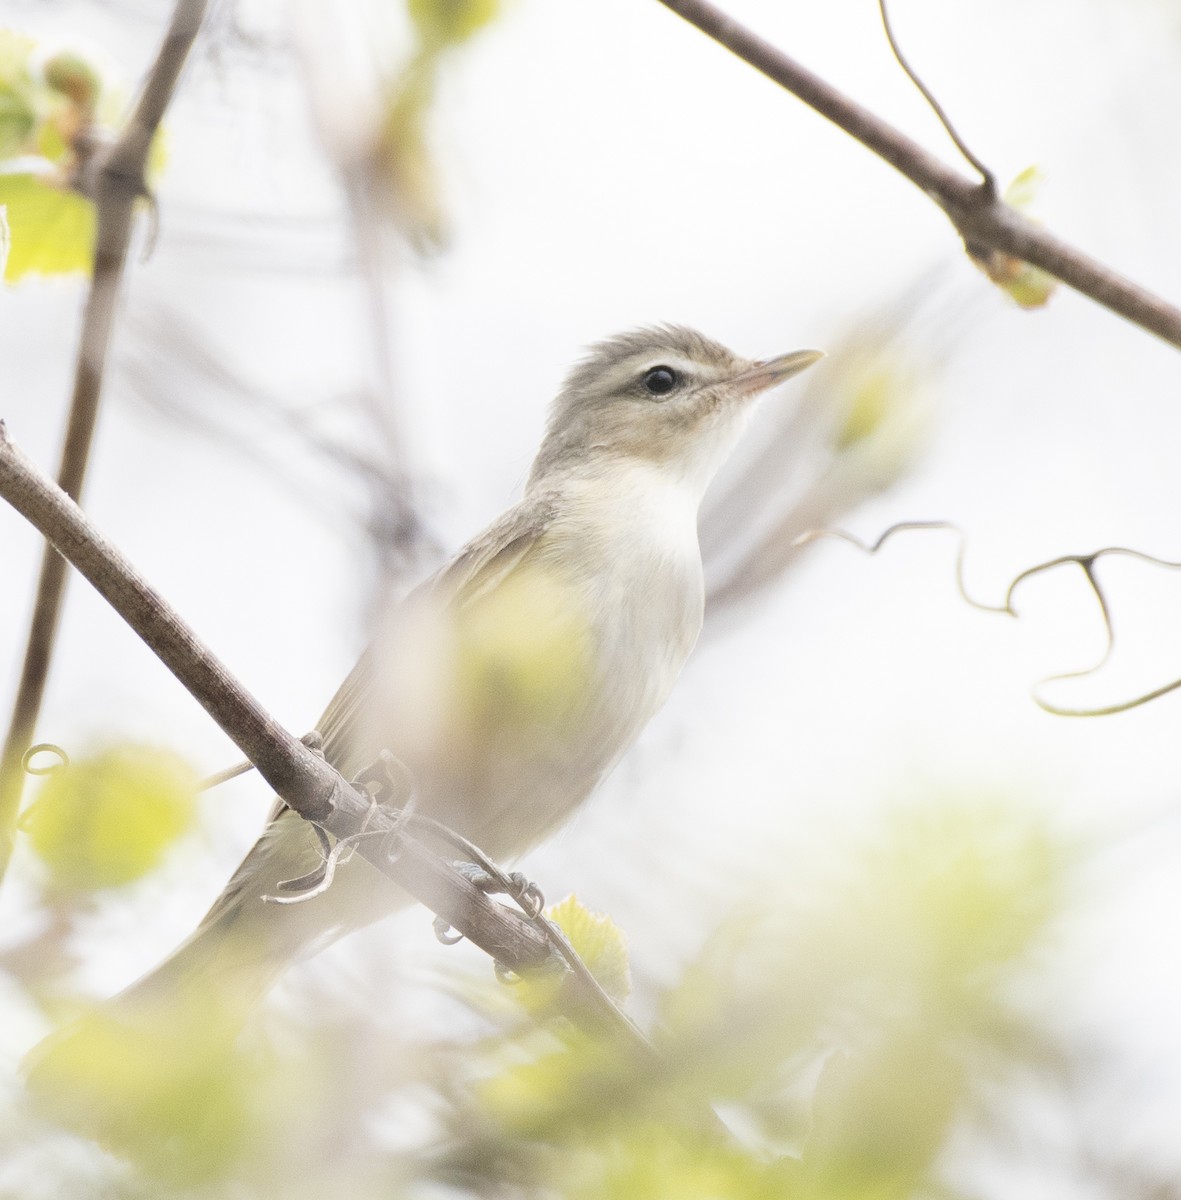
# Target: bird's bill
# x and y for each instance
(767, 374)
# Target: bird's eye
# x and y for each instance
(659, 381)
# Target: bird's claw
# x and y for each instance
(528, 897)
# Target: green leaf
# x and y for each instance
(107, 820)
(171, 1096)
(17, 119)
(598, 941)
(1026, 284)
(1023, 189)
(869, 405)
(52, 230)
(1029, 286)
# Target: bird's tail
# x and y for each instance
(159, 1069)
(156, 1074)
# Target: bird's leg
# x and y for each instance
(485, 874)
(492, 881)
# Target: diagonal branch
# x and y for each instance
(304, 779)
(115, 181)
(985, 223)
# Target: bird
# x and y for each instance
(513, 679)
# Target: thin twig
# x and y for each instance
(118, 182)
(989, 179)
(982, 221)
(1086, 563)
(302, 777)
(871, 548)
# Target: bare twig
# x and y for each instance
(989, 179)
(871, 548)
(984, 222)
(1086, 563)
(115, 184)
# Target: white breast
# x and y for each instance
(632, 534)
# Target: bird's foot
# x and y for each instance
(492, 881)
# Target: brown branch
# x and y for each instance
(115, 181)
(303, 778)
(305, 781)
(984, 222)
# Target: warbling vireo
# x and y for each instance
(513, 680)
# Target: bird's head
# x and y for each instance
(666, 397)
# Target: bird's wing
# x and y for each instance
(478, 568)
(487, 559)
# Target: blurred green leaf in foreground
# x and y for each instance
(842, 1025)
(846, 1025)
(107, 820)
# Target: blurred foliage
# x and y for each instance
(1028, 285)
(522, 653)
(888, 973)
(402, 167)
(53, 228)
(442, 23)
(107, 820)
(880, 399)
(597, 940)
(872, 394)
(20, 97)
(841, 1025)
(58, 111)
(176, 1106)
(47, 112)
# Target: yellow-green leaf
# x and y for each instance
(1023, 189)
(448, 22)
(165, 1090)
(17, 119)
(1028, 285)
(107, 820)
(869, 404)
(52, 230)
(598, 941)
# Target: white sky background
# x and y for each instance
(607, 166)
